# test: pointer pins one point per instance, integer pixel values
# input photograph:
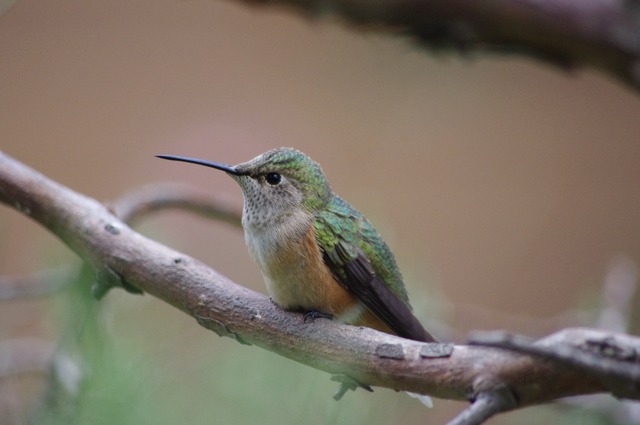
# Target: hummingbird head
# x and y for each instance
(275, 185)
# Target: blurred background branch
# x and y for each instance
(568, 33)
(162, 196)
(35, 285)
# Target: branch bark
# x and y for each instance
(603, 34)
(499, 379)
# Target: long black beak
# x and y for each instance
(219, 166)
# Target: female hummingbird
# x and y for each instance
(316, 252)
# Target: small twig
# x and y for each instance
(347, 383)
(36, 285)
(155, 197)
(485, 405)
(618, 289)
(614, 359)
(25, 355)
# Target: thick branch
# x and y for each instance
(601, 33)
(122, 256)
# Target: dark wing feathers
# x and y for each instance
(353, 270)
(362, 280)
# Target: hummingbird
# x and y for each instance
(316, 252)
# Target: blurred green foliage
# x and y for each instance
(143, 362)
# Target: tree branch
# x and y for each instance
(35, 285)
(155, 197)
(25, 355)
(612, 358)
(123, 257)
(569, 33)
(485, 405)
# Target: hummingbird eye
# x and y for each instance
(273, 178)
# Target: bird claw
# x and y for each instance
(315, 314)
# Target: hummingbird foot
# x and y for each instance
(315, 314)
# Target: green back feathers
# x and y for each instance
(341, 230)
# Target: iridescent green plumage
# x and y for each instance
(341, 224)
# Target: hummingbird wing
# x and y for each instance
(345, 238)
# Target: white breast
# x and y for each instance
(283, 256)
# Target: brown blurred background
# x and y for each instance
(506, 188)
